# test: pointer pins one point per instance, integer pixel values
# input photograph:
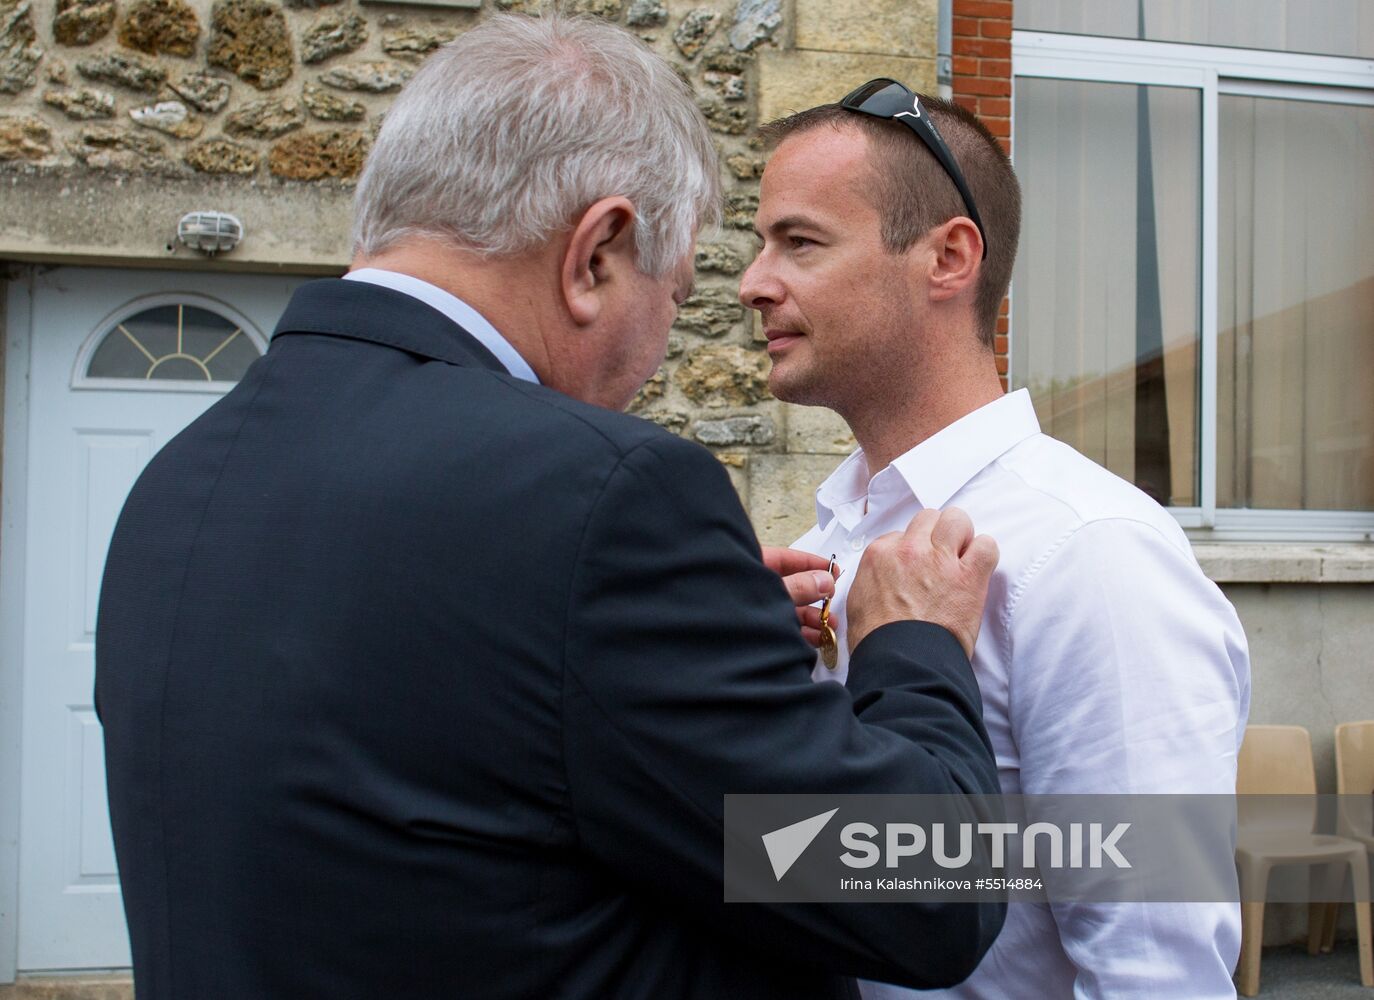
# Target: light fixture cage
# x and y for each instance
(210, 232)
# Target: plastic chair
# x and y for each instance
(1355, 811)
(1277, 761)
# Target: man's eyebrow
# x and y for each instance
(788, 222)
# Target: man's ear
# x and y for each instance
(601, 246)
(956, 258)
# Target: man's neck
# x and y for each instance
(892, 426)
(486, 284)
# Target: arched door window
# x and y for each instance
(177, 342)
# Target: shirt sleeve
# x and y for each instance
(1130, 675)
(686, 679)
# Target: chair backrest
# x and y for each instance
(1355, 778)
(1275, 780)
(1355, 758)
(1276, 760)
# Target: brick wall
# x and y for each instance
(982, 83)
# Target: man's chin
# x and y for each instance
(791, 386)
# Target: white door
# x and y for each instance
(119, 362)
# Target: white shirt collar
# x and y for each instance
(939, 466)
(455, 309)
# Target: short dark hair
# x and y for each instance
(913, 194)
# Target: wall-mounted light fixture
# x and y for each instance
(209, 232)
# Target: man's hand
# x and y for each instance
(805, 577)
(935, 571)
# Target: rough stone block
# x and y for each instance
(155, 26)
(719, 258)
(221, 156)
(81, 22)
(24, 137)
(19, 48)
(797, 80)
(755, 22)
(202, 91)
(332, 35)
(82, 103)
(782, 491)
(375, 77)
(330, 107)
(266, 118)
(415, 43)
(695, 30)
(745, 167)
(731, 119)
(892, 27)
(749, 430)
(133, 72)
(814, 430)
(646, 14)
(740, 208)
(249, 38)
(311, 156)
(720, 375)
(710, 312)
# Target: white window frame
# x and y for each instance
(1213, 71)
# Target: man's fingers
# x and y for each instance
(809, 587)
(809, 616)
(812, 636)
(922, 525)
(953, 531)
(982, 555)
(785, 562)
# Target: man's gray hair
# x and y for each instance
(506, 134)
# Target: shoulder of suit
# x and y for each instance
(585, 426)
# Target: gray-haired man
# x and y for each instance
(423, 677)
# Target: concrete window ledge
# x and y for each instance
(1269, 562)
(73, 987)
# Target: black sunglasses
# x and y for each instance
(888, 99)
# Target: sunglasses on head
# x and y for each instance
(888, 99)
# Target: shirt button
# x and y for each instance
(857, 544)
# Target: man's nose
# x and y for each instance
(758, 288)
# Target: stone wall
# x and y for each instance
(116, 116)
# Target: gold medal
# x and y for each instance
(830, 646)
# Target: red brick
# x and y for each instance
(999, 344)
(965, 66)
(1001, 365)
(1003, 326)
(1005, 387)
(966, 26)
(966, 102)
(1005, 308)
(994, 107)
(982, 86)
(995, 67)
(1006, 145)
(983, 8)
(1000, 127)
(988, 48)
(991, 28)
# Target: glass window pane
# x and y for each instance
(1323, 27)
(179, 343)
(1295, 338)
(1105, 298)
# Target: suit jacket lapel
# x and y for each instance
(361, 311)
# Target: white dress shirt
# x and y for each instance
(455, 309)
(1107, 662)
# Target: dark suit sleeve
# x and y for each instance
(686, 678)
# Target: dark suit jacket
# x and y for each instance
(422, 681)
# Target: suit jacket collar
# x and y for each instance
(362, 311)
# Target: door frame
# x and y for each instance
(18, 332)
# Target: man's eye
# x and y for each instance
(798, 242)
